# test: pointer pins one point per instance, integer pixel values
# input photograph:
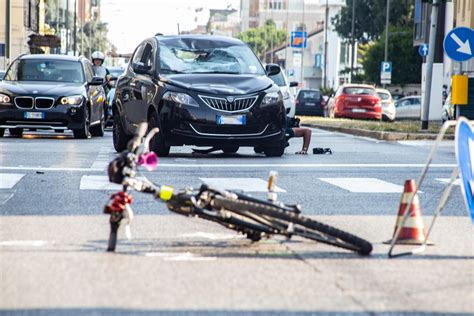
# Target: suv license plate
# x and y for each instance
(34, 115)
(358, 110)
(231, 119)
(310, 104)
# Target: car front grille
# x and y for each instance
(24, 102)
(229, 104)
(44, 103)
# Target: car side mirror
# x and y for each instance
(293, 84)
(96, 81)
(272, 69)
(140, 68)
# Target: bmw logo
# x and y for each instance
(230, 99)
(35, 92)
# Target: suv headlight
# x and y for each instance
(5, 99)
(180, 98)
(271, 98)
(71, 100)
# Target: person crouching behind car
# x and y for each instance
(294, 130)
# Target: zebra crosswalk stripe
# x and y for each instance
(364, 185)
(8, 180)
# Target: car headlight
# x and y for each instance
(271, 98)
(4, 99)
(180, 98)
(71, 100)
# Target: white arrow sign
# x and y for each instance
(464, 47)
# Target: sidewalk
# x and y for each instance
(366, 129)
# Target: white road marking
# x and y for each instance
(177, 256)
(98, 183)
(24, 243)
(446, 180)
(212, 236)
(103, 159)
(364, 185)
(424, 143)
(8, 180)
(244, 184)
(244, 165)
(5, 196)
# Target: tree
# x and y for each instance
(406, 63)
(255, 38)
(370, 18)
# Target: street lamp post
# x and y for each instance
(352, 40)
(386, 33)
(326, 44)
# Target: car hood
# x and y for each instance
(43, 88)
(220, 83)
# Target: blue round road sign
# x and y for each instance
(459, 44)
(423, 50)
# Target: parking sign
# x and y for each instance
(386, 72)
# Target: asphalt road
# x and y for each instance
(53, 235)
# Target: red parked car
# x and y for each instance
(355, 101)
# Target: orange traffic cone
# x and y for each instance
(413, 231)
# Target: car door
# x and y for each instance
(127, 89)
(403, 108)
(143, 86)
(95, 93)
(416, 107)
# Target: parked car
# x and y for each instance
(2, 74)
(52, 92)
(355, 101)
(409, 107)
(310, 102)
(115, 72)
(200, 90)
(288, 99)
(388, 105)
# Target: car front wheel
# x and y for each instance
(157, 143)
(119, 137)
(16, 132)
(84, 131)
(276, 151)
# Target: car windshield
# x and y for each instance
(309, 95)
(359, 91)
(383, 95)
(45, 70)
(177, 57)
(278, 79)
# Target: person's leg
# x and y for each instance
(306, 134)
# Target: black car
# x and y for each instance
(309, 102)
(200, 90)
(52, 92)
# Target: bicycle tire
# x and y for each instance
(339, 238)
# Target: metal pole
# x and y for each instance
(8, 34)
(352, 40)
(271, 38)
(265, 34)
(57, 49)
(429, 65)
(287, 35)
(387, 17)
(90, 28)
(74, 46)
(302, 53)
(66, 18)
(326, 45)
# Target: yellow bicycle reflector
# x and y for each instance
(166, 193)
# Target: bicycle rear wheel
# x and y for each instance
(302, 226)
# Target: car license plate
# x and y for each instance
(231, 119)
(34, 115)
(358, 110)
(310, 104)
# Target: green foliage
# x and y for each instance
(370, 18)
(406, 63)
(255, 38)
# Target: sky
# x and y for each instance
(131, 21)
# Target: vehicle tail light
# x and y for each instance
(297, 102)
(323, 103)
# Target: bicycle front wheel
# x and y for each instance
(302, 226)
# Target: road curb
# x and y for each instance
(388, 136)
